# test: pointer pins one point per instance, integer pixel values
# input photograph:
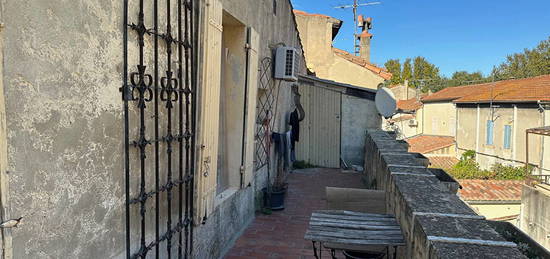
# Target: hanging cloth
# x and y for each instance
(295, 130)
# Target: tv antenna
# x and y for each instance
(355, 6)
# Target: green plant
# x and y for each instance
(468, 168)
(508, 172)
(302, 165)
(470, 154)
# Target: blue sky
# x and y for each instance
(471, 35)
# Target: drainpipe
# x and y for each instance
(477, 132)
(515, 133)
(245, 108)
(543, 120)
(456, 129)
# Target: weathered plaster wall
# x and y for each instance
(357, 115)
(403, 92)
(493, 210)
(62, 72)
(61, 75)
(524, 119)
(467, 129)
(439, 119)
(535, 204)
(316, 34)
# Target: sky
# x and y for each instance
(455, 35)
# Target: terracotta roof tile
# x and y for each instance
(402, 118)
(298, 12)
(490, 190)
(515, 90)
(429, 143)
(452, 93)
(443, 162)
(362, 62)
(409, 105)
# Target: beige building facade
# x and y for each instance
(438, 118)
(474, 133)
(317, 33)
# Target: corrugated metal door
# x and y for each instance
(323, 117)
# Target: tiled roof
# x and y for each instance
(490, 190)
(362, 62)
(429, 143)
(515, 90)
(452, 93)
(310, 14)
(443, 162)
(409, 105)
(402, 118)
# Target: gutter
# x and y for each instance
(493, 202)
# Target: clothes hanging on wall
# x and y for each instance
(294, 122)
(282, 147)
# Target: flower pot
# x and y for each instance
(275, 200)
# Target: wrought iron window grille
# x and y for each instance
(168, 98)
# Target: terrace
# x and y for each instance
(434, 221)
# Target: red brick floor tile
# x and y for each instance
(281, 234)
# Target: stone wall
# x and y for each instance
(435, 222)
(358, 114)
(534, 216)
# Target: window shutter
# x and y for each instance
(209, 107)
(251, 98)
(490, 132)
(507, 136)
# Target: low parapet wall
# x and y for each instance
(435, 222)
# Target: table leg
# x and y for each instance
(314, 250)
(395, 252)
(333, 253)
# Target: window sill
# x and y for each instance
(225, 195)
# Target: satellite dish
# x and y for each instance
(385, 102)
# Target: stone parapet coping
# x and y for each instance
(435, 222)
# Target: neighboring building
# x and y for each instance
(443, 161)
(405, 92)
(492, 119)
(440, 150)
(439, 111)
(324, 61)
(432, 145)
(406, 123)
(337, 117)
(495, 199)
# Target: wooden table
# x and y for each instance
(348, 230)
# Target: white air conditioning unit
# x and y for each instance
(413, 123)
(286, 64)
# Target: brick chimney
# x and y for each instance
(364, 37)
